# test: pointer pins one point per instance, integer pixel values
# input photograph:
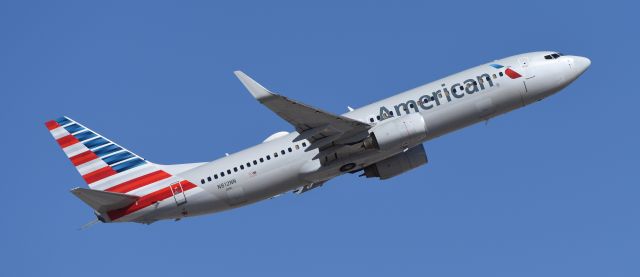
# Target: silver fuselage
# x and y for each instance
(443, 110)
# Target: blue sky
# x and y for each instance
(547, 190)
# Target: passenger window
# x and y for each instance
(221, 174)
(275, 154)
(255, 162)
(378, 117)
(297, 147)
(215, 176)
(268, 157)
(370, 119)
(202, 181)
(209, 178)
(235, 169)
(555, 56)
(391, 113)
(282, 152)
(228, 171)
(290, 150)
(454, 90)
(494, 76)
(241, 167)
(261, 160)
(304, 144)
(488, 78)
(461, 88)
(248, 164)
(501, 74)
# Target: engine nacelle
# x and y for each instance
(401, 132)
(398, 164)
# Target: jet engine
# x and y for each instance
(397, 164)
(401, 132)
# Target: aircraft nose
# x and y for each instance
(581, 64)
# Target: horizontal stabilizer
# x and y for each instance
(103, 201)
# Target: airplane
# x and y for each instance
(380, 140)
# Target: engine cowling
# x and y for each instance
(401, 132)
(397, 164)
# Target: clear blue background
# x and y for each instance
(548, 190)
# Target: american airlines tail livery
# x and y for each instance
(380, 140)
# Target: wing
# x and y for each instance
(322, 128)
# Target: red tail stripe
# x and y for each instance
(99, 174)
(139, 182)
(51, 124)
(83, 158)
(67, 141)
(148, 200)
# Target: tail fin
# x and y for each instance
(121, 182)
(95, 157)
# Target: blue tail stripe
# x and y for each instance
(95, 142)
(128, 165)
(74, 128)
(63, 121)
(117, 157)
(85, 135)
(111, 148)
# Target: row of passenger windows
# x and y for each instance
(255, 162)
(455, 89)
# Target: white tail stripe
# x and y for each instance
(123, 177)
(59, 132)
(75, 149)
(91, 166)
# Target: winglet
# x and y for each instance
(258, 91)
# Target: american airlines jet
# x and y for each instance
(380, 140)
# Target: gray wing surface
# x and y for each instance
(322, 128)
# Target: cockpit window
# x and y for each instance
(553, 56)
